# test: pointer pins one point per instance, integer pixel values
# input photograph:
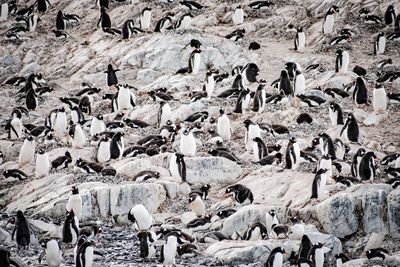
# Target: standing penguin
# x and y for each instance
(390, 15)
(60, 124)
(379, 99)
(355, 164)
(285, 86)
(74, 203)
(342, 61)
(326, 163)
(197, 205)
(60, 21)
(367, 168)
(380, 44)
(22, 229)
(329, 20)
(194, 61)
(335, 114)
(275, 258)
(177, 166)
(15, 129)
(165, 23)
(187, 143)
(243, 101)
(42, 168)
(299, 83)
(117, 146)
(27, 153)
(140, 217)
(292, 154)
(224, 126)
(238, 15)
(43, 5)
(70, 229)
(183, 22)
(78, 136)
(300, 40)
(112, 79)
(127, 29)
(350, 129)
(145, 18)
(104, 20)
(52, 252)
(33, 20)
(317, 255)
(260, 97)
(252, 131)
(164, 113)
(85, 253)
(76, 115)
(319, 183)
(31, 100)
(210, 82)
(270, 220)
(103, 150)
(360, 93)
(97, 125)
(260, 150)
(168, 251)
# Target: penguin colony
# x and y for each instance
(100, 118)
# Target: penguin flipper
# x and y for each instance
(98, 253)
(161, 258)
(14, 263)
(41, 256)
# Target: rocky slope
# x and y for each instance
(349, 219)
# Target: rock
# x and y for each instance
(393, 204)
(375, 119)
(374, 241)
(374, 209)
(41, 227)
(5, 237)
(187, 217)
(355, 263)
(338, 215)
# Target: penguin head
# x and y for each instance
(41, 151)
(292, 139)
(147, 9)
(339, 52)
(239, 7)
(16, 114)
(272, 213)
(322, 170)
(290, 28)
(193, 196)
(295, 220)
(75, 190)
(335, 9)
(381, 34)
(247, 122)
(350, 117)
(221, 111)
(332, 105)
(20, 214)
(364, 11)
(212, 120)
(318, 245)
(378, 86)
(186, 131)
(61, 109)
(257, 139)
(213, 152)
(29, 138)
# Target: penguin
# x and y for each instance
(33, 20)
(164, 113)
(379, 99)
(103, 150)
(177, 166)
(335, 114)
(356, 162)
(53, 253)
(326, 145)
(197, 205)
(225, 154)
(319, 184)
(202, 191)
(108, 171)
(296, 231)
(342, 61)
(84, 254)
(304, 250)
(249, 72)
(317, 255)
(197, 116)
(380, 44)
(165, 23)
(78, 136)
(60, 21)
(27, 152)
(104, 20)
(140, 217)
(168, 251)
(199, 224)
(260, 97)
(125, 98)
(350, 129)
(15, 129)
(5, 255)
(117, 146)
(194, 61)
(300, 39)
(240, 193)
(146, 240)
(377, 253)
(326, 163)
(183, 22)
(1, 157)
(236, 35)
(97, 125)
(255, 232)
(238, 15)
(74, 203)
(243, 101)
(210, 82)
(127, 29)
(21, 230)
(390, 15)
(112, 79)
(285, 86)
(311, 100)
(70, 231)
(31, 100)
(42, 167)
(270, 220)
(146, 175)
(367, 167)
(60, 123)
(260, 150)
(279, 231)
(224, 126)
(384, 63)
(275, 258)
(88, 167)
(85, 104)
(292, 154)
(252, 131)
(145, 18)
(391, 159)
(304, 118)
(299, 83)
(329, 20)
(187, 143)
(62, 161)
(192, 5)
(77, 115)
(341, 149)
(225, 213)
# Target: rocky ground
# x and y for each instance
(351, 220)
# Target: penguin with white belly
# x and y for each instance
(27, 153)
(187, 143)
(42, 167)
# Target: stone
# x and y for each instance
(393, 215)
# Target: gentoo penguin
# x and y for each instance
(42, 167)
(319, 184)
(140, 217)
(15, 129)
(260, 150)
(102, 3)
(145, 18)
(97, 125)
(197, 205)
(326, 145)
(360, 93)
(1, 157)
(356, 162)
(279, 231)
(104, 20)
(390, 15)
(202, 191)
(43, 5)
(53, 253)
(238, 15)
(31, 100)
(33, 20)
(192, 5)
(168, 251)
(127, 29)
(62, 161)
(125, 98)
(27, 152)
(70, 229)
(164, 113)
(225, 154)
(350, 129)
(84, 254)
(285, 86)
(61, 124)
(103, 150)
(210, 82)
(5, 255)
(117, 146)
(270, 220)
(183, 22)
(260, 97)
(317, 255)
(74, 203)
(335, 114)
(300, 39)
(194, 61)
(76, 115)
(296, 231)
(111, 75)
(222, 214)
(391, 159)
(146, 240)
(21, 229)
(341, 149)
(379, 99)
(326, 163)
(249, 72)
(340, 259)
(304, 118)
(376, 253)
(292, 154)
(60, 21)
(367, 167)
(329, 20)
(187, 143)
(165, 23)
(252, 131)
(275, 258)
(224, 126)
(299, 83)
(240, 193)
(77, 135)
(342, 61)
(243, 101)
(255, 232)
(199, 224)
(177, 166)
(380, 44)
